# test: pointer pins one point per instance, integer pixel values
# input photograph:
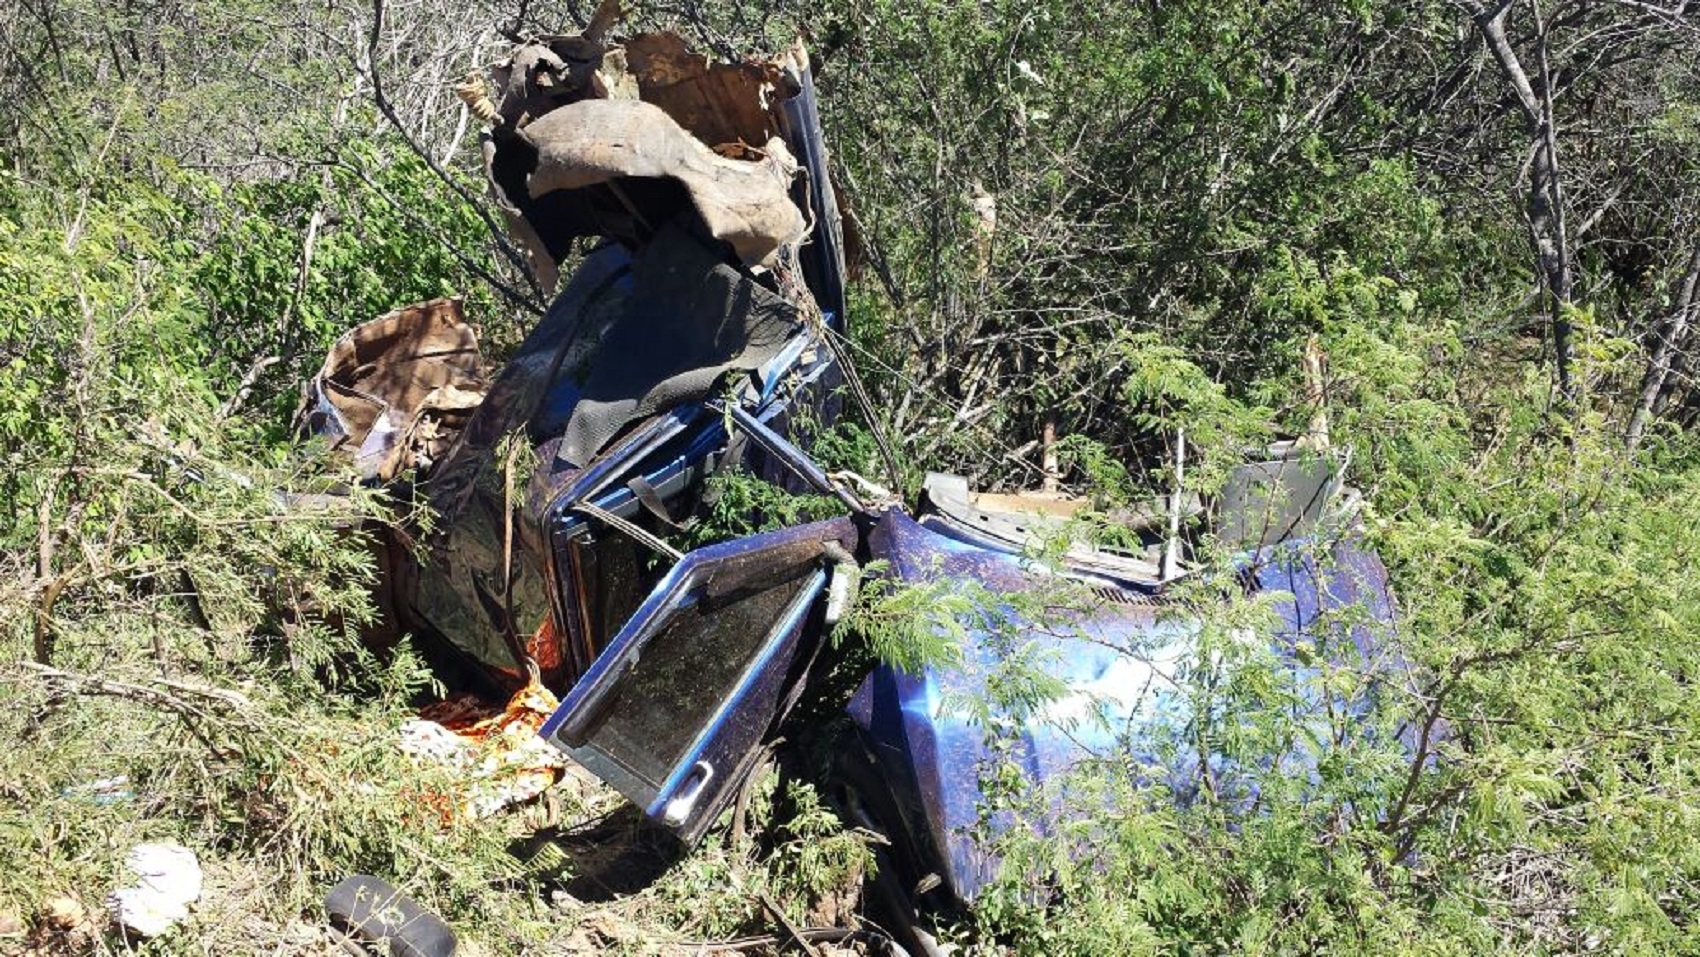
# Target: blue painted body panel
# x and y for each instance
(1115, 659)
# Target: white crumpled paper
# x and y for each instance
(169, 880)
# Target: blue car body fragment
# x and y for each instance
(1117, 657)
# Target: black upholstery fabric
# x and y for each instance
(691, 319)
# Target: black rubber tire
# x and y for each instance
(371, 910)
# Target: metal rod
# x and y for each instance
(1171, 548)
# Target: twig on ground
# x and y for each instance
(791, 930)
(829, 935)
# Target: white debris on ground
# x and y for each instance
(501, 757)
(428, 739)
(111, 790)
(169, 880)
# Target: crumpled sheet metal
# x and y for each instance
(744, 203)
(394, 392)
(575, 112)
(722, 104)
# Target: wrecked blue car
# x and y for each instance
(697, 332)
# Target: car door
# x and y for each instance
(673, 711)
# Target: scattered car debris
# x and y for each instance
(112, 790)
(168, 881)
(503, 760)
(63, 926)
(368, 914)
(698, 333)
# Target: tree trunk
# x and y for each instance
(1671, 335)
(1545, 203)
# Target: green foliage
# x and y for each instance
(737, 504)
(1175, 396)
(291, 802)
(911, 625)
(378, 219)
(1150, 168)
(1543, 586)
(156, 538)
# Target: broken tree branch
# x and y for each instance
(245, 388)
(1544, 204)
(792, 931)
(174, 695)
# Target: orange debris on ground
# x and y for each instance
(504, 760)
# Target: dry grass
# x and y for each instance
(282, 798)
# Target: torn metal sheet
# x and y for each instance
(744, 202)
(722, 104)
(594, 139)
(394, 392)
